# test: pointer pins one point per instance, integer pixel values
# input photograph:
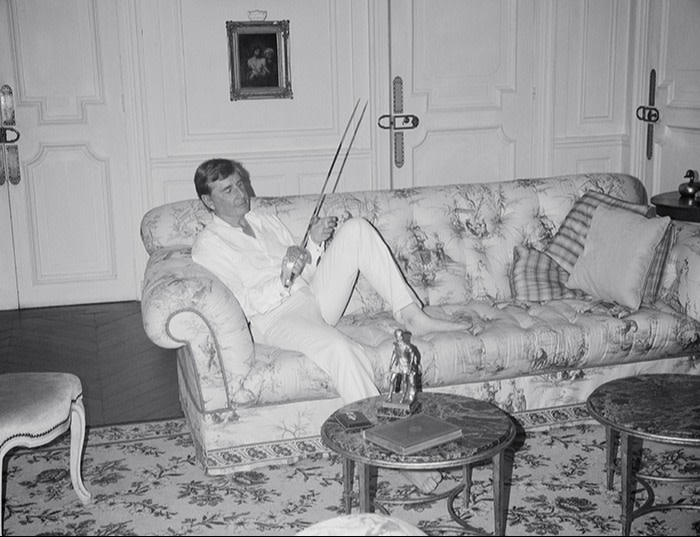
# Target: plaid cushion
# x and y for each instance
(567, 243)
(655, 276)
(536, 277)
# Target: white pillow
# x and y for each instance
(617, 255)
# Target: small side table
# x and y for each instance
(486, 433)
(661, 408)
(676, 206)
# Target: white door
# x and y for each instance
(672, 45)
(461, 86)
(70, 214)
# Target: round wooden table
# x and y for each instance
(487, 432)
(676, 206)
(663, 408)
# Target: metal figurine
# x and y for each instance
(405, 368)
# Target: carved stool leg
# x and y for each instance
(3, 451)
(77, 439)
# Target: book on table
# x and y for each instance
(413, 434)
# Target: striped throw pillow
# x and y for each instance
(655, 276)
(536, 277)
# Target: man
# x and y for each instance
(257, 67)
(255, 255)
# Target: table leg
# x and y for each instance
(611, 438)
(348, 477)
(467, 473)
(627, 481)
(500, 509)
(363, 471)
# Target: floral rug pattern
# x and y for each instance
(145, 480)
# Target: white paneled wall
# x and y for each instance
(140, 92)
(591, 72)
(286, 144)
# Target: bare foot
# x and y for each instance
(419, 323)
(425, 481)
(477, 327)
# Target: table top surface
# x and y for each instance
(486, 431)
(660, 407)
(676, 206)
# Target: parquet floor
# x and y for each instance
(125, 377)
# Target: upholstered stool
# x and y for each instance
(362, 524)
(35, 408)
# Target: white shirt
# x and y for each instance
(250, 266)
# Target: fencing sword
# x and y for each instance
(322, 195)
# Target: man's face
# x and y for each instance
(229, 198)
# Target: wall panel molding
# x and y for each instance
(302, 174)
(481, 155)
(88, 234)
(596, 76)
(197, 115)
(583, 141)
(70, 68)
(492, 59)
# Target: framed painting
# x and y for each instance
(259, 59)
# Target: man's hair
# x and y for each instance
(213, 170)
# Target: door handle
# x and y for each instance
(3, 135)
(649, 114)
(9, 135)
(398, 121)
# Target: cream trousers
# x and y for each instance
(306, 320)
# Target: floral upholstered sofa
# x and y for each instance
(248, 405)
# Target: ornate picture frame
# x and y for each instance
(259, 59)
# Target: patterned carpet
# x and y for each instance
(145, 481)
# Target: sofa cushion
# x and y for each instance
(536, 277)
(567, 244)
(617, 255)
(524, 338)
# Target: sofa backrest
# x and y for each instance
(453, 242)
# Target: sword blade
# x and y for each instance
(330, 170)
(345, 158)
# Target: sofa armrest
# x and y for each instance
(183, 304)
(681, 287)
